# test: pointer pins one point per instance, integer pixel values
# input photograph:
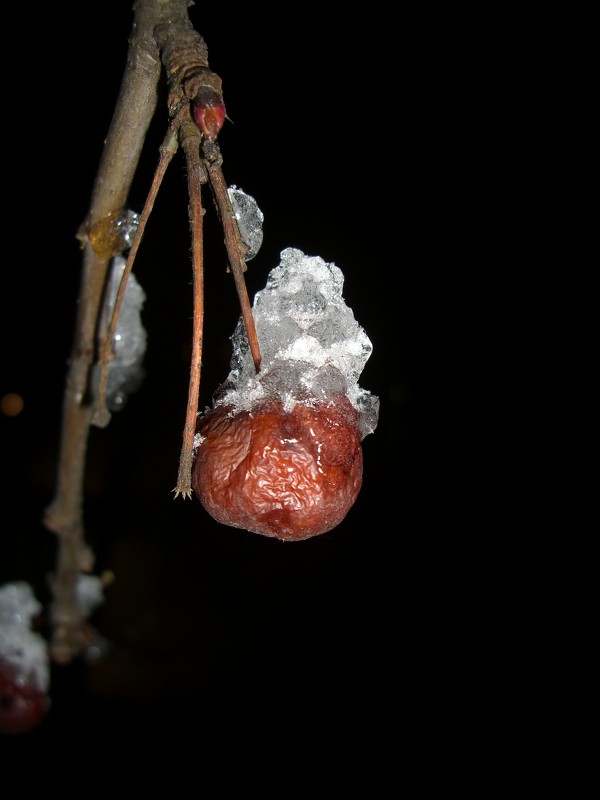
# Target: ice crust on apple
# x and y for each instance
(311, 345)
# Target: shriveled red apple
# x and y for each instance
(289, 475)
(22, 703)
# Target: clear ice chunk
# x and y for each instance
(126, 225)
(249, 219)
(310, 342)
(89, 592)
(126, 372)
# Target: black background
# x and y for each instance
(342, 129)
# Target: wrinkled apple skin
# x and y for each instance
(288, 475)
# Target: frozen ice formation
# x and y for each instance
(311, 345)
(249, 218)
(21, 647)
(126, 372)
(126, 225)
(89, 592)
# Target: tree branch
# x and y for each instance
(162, 33)
(133, 113)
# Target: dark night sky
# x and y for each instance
(338, 132)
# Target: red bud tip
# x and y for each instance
(209, 113)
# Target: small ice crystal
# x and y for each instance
(125, 373)
(249, 219)
(127, 224)
(21, 647)
(311, 344)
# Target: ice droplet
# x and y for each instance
(126, 225)
(89, 591)
(126, 372)
(249, 219)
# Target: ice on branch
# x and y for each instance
(89, 592)
(126, 372)
(126, 225)
(21, 647)
(249, 218)
(311, 345)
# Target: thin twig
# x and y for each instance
(234, 247)
(185, 58)
(196, 176)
